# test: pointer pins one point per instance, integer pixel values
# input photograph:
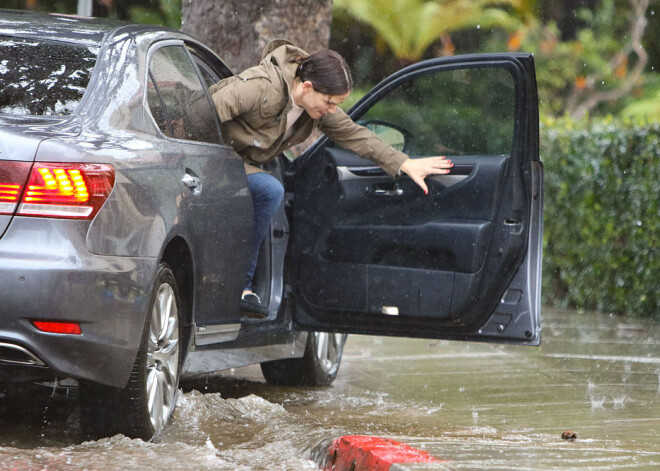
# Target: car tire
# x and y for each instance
(317, 367)
(144, 406)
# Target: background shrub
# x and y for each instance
(602, 216)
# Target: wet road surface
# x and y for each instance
(480, 406)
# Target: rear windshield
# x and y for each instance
(43, 77)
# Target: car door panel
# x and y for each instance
(419, 249)
(374, 254)
(212, 182)
(413, 251)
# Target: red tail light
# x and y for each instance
(55, 189)
(13, 176)
(58, 327)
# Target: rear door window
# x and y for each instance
(40, 77)
(177, 98)
(210, 68)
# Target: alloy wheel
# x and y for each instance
(329, 349)
(162, 357)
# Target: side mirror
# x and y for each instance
(395, 136)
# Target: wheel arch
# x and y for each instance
(178, 256)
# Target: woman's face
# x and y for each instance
(318, 104)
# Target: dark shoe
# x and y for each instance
(252, 308)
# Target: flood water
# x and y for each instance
(479, 406)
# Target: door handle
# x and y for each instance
(386, 189)
(384, 192)
(192, 182)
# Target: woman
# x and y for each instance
(276, 105)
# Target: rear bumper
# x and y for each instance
(47, 273)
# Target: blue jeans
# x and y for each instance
(267, 194)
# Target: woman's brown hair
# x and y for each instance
(327, 71)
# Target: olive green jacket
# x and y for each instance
(253, 107)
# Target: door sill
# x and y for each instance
(210, 334)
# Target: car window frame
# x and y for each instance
(155, 47)
(199, 53)
(152, 81)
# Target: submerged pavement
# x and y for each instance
(478, 406)
(502, 407)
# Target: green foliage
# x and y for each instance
(355, 96)
(602, 215)
(61, 6)
(160, 12)
(565, 66)
(647, 104)
(409, 27)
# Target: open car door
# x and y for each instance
(372, 254)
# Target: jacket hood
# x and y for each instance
(282, 53)
(274, 44)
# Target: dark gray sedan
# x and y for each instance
(125, 220)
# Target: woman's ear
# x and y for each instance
(307, 86)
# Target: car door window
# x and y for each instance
(207, 74)
(157, 109)
(465, 118)
(179, 104)
(211, 69)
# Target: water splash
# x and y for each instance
(598, 402)
(619, 402)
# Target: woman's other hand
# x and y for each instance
(419, 169)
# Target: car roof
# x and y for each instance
(52, 26)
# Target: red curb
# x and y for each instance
(361, 453)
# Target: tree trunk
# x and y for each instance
(238, 30)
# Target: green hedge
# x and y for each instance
(602, 215)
